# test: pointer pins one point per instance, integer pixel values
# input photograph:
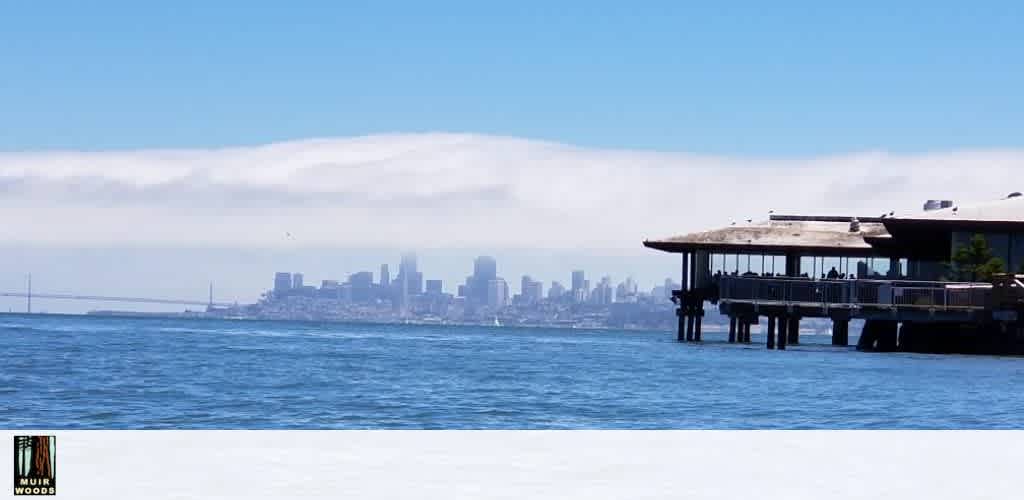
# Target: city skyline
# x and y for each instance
(483, 272)
(242, 275)
(483, 297)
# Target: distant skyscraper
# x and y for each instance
(408, 263)
(627, 291)
(361, 284)
(410, 282)
(535, 292)
(416, 283)
(282, 284)
(531, 291)
(296, 281)
(578, 280)
(556, 291)
(485, 269)
(385, 276)
(330, 289)
(497, 294)
(434, 287)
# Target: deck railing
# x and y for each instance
(854, 293)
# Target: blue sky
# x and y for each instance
(746, 79)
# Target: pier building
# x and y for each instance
(905, 276)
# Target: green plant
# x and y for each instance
(975, 262)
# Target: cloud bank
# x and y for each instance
(454, 191)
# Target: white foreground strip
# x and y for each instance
(529, 465)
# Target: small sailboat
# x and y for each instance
(496, 322)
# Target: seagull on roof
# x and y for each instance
(733, 223)
(749, 221)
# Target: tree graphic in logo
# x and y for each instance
(34, 469)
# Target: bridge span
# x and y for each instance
(105, 298)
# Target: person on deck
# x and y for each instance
(833, 274)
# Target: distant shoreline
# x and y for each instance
(200, 317)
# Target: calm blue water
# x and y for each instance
(84, 372)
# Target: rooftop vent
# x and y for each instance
(854, 225)
(937, 205)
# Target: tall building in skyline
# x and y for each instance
(362, 286)
(410, 281)
(497, 293)
(385, 276)
(531, 291)
(578, 279)
(296, 281)
(626, 291)
(485, 269)
(282, 284)
(556, 291)
(407, 263)
(435, 287)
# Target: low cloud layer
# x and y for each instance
(453, 191)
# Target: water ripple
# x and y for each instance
(85, 372)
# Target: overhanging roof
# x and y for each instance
(825, 236)
(1001, 215)
(923, 235)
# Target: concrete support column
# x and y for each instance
(689, 326)
(793, 334)
(696, 329)
(889, 336)
(746, 331)
(783, 332)
(732, 329)
(681, 328)
(770, 340)
(878, 335)
(840, 332)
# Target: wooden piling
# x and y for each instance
(771, 333)
(732, 329)
(783, 333)
(840, 332)
(793, 335)
(680, 326)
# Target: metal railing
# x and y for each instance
(854, 293)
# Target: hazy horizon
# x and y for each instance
(147, 150)
(242, 274)
(164, 223)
